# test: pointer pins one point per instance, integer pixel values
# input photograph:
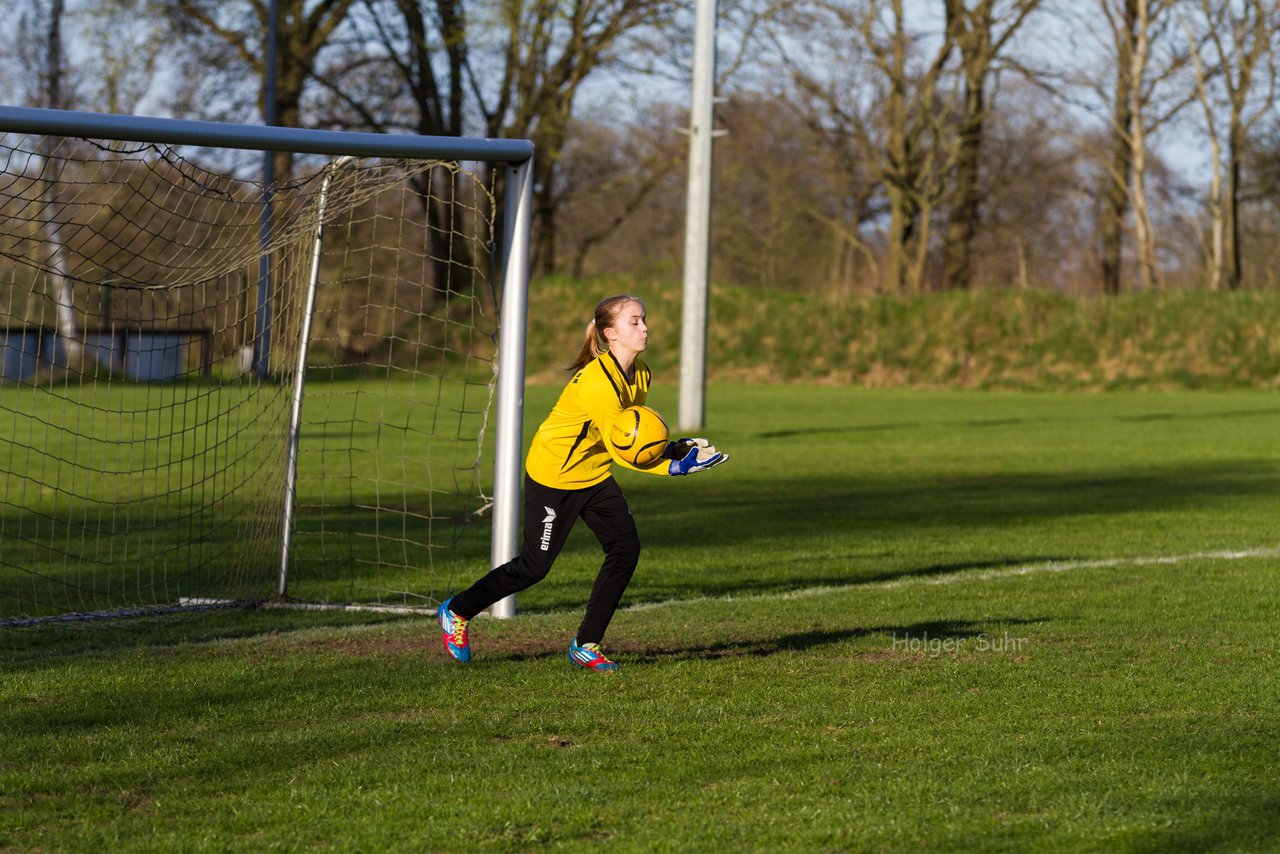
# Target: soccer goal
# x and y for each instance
(218, 391)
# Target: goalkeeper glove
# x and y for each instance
(678, 449)
(689, 456)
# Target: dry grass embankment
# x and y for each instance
(983, 339)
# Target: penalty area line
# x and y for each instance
(971, 575)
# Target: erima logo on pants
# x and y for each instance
(546, 528)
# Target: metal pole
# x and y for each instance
(697, 256)
(295, 415)
(262, 318)
(31, 120)
(507, 465)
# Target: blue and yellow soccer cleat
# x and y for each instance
(590, 656)
(454, 631)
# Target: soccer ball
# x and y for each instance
(639, 435)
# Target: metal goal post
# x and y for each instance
(515, 155)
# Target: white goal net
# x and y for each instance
(153, 322)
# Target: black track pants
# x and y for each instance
(549, 514)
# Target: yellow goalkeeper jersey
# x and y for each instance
(569, 450)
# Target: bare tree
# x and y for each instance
(830, 85)
(610, 175)
(917, 154)
(402, 67)
(981, 30)
(1143, 62)
(896, 118)
(623, 190)
(549, 49)
(1123, 23)
(1037, 224)
(1262, 175)
(1233, 54)
(777, 194)
(126, 47)
(230, 35)
(502, 68)
(1138, 71)
(1216, 250)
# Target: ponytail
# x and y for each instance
(594, 343)
(592, 346)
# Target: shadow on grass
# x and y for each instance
(904, 640)
(570, 593)
(835, 431)
(953, 568)
(982, 423)
(816, 507)
(37, 645)
(907, 640)
(1237, 824)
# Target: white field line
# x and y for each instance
(960, 575)
(970, 575)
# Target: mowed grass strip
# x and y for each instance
(1126, 707)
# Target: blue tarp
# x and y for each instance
(145, 356)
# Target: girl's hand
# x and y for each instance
(679, 448)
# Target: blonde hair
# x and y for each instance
(605, 316)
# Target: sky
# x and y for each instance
(1060, 38)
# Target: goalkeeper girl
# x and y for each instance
(567, 477)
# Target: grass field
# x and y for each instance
(127, 495)
(896, 620)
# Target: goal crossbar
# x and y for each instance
(259, 137)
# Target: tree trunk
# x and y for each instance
(64, 293)
(1142, 230)
(545, 205)
(1116, 200)
(448, 252)
(899, 236)
(1214, 268)
(962, 223)
(1231, 254)
(980, 31)
(1148, 273)
(898, 169)
(1217, 227)
(439, 113)
(920, 257)
(1114, 210)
